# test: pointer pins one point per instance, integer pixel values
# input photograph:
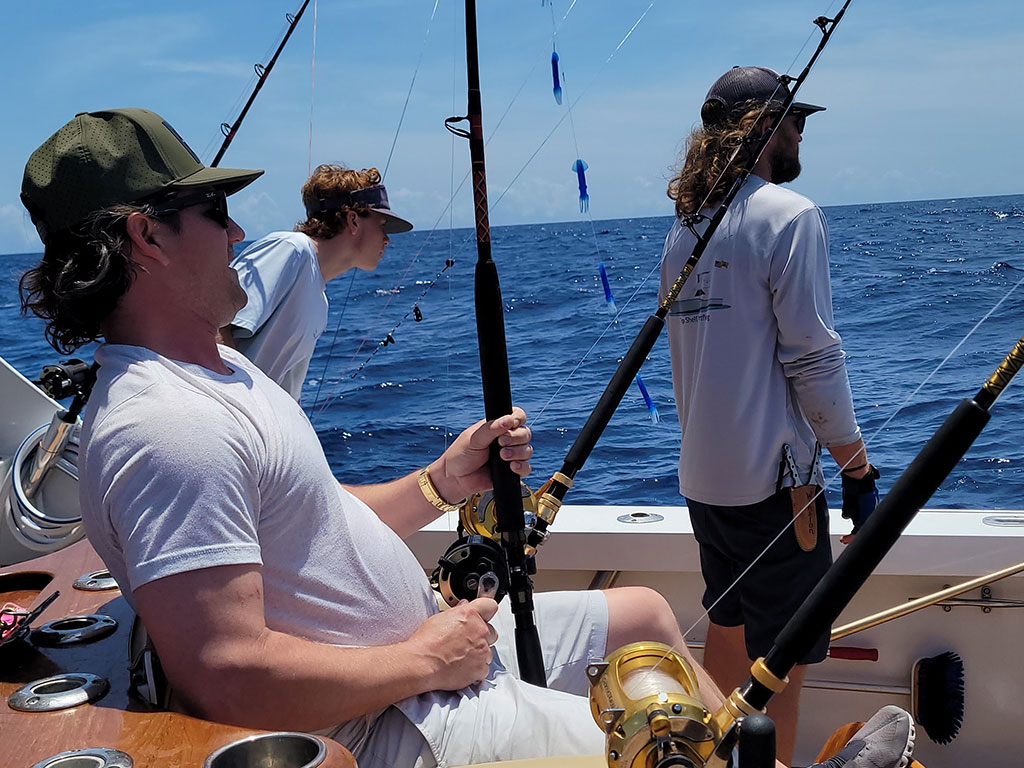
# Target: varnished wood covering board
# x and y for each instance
(153, 739)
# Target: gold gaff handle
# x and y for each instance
(645, 697)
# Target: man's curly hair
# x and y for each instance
(82, 276)
(328, 180)
(707, 156)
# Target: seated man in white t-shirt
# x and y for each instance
(348, 223)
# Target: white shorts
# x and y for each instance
(504, 718)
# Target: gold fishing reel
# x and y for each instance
(645, 697)
(476, 559)
(478, 514)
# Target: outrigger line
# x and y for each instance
(579, 167)
(345, 373)
(609, 302)
(494, 373)
(262, 72)
(551, 495)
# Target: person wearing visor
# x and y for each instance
(760, 381)
(348, 225)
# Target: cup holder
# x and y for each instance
(59, 692)
(97, 581)
(270, 750)
(640, 517)
(74, 629)
(88, 758)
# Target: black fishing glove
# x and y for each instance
(860, 497)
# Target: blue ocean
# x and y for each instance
(924, 296)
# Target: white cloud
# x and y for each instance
(17, 235)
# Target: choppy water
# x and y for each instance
(910, 280)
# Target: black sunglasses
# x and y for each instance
(216, 199)
(799, 118)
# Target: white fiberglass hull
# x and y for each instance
(654, 546)
(939, 548)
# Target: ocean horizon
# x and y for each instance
(912, 281)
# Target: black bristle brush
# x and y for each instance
(937, 695)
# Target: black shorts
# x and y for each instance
(769, 594)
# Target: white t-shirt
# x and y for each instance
(287, 309)
(184, 469)
(756, 360)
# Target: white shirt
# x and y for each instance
(756, 360)
(184, 469)
(287, 310)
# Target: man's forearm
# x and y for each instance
(281, 682)
(401, 504)
(852, 458)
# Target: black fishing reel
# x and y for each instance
(475, 564)
(65, 379)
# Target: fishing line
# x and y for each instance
(394, 142)
(388, 338)
(312, 91)
(535, 420)
(569, 106)
(330, 352)
(451, 247)
(408, 95)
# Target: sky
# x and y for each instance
(922, 95)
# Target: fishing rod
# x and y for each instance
(552, 493)
(262, 72)
(490, 325)
(672, 730)
(877, 536)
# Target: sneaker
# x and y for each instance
(884, 741)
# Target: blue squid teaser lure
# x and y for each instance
(554, 77)
(580, 168)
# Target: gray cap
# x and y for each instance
(742, 84)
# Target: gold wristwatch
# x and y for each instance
(430, 493)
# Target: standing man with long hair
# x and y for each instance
(760, 381)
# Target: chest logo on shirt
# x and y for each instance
(701, 301)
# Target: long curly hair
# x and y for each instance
(705, 174)
(331, 179)
(82, 276)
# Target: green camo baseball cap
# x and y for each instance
(112, 157)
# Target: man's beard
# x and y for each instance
(785, 167)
